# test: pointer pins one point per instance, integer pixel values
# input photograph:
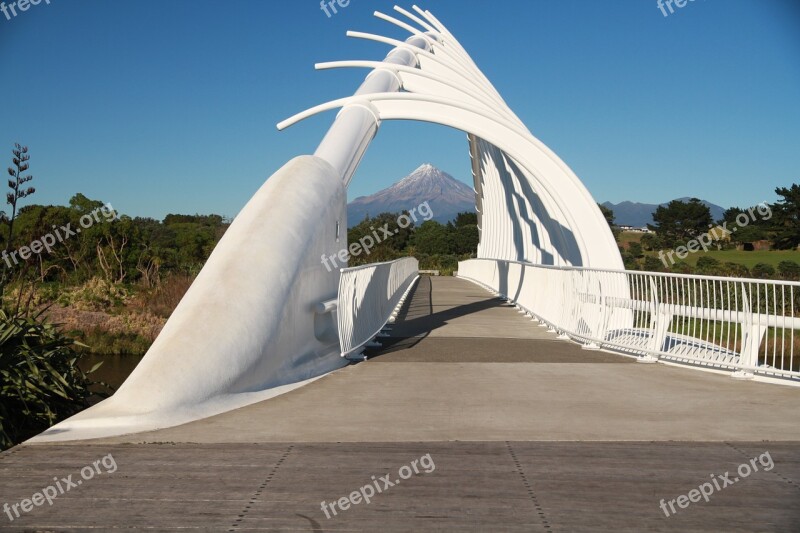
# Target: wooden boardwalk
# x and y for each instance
(525, 433)
(475, 486)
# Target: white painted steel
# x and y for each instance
(531, 206)
(368, 297)
(249, 327)
(356, 125)
(744, 325)
(264, 316)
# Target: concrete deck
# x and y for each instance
(527, 433)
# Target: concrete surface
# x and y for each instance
(474, 487)
(527, 434)
(446, 387)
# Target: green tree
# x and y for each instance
(376, 245)
(433, 238)
(651, 242)
(652, 264)
(608, 213)
(81, 204)
(628, 260)
(678, 222)
(786, 217)
(465, 234)
(609, 216)
(17, 193)
(466, 219)
(754, 229)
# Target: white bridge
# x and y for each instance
(264, 316)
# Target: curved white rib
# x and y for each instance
(489, 92)
(469, 96)
(415, 18)
(558, 221)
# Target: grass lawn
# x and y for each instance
(627, 237)
(748, 259)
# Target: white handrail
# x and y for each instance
(744, 325)
(369, 296)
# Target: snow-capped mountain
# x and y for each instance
(445, 195)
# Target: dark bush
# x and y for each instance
(735, 270)
(40, 381)
(708, 266)
(652, 264)
(763, 271)
(789, 270)
(681, 267)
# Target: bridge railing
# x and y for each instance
(369, 296)
(745, 325)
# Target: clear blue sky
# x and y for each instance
(171, 106)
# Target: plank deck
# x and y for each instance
(526, 434)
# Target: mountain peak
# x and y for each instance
(445, 195)
(424, 171)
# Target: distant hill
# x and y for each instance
(448, 197)
(639, 215)
(445, 195)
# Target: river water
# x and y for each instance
(115, 368)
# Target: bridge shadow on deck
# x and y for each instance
(426, 330)
(517, 447)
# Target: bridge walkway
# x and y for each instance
(526, 432)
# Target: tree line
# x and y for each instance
(437, 246)
(778, 223)
(681, 222)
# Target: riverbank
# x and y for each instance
(123, 333)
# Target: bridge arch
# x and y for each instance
(531, 205)
(249, 327)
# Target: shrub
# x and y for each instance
(652, 264)
(735, 270)
(97, 294)
(681, 267)
(707, 266)
(789, 270)
(41, 383)
(650, 242)
(763, 271)
(102, 342)
(630, 262)
(164, 298)
(446, 264)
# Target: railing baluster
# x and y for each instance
(369, 295)
(704, 320)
